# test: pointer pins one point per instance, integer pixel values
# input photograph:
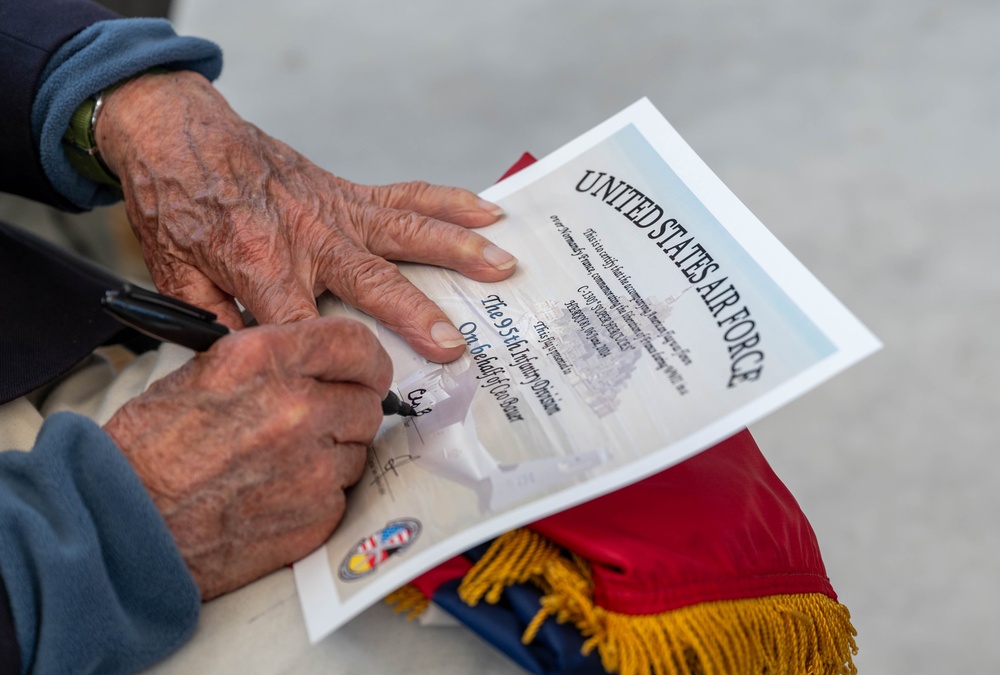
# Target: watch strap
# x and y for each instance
(80, 141)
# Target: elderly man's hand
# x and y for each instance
(247, 449)
(224, 211)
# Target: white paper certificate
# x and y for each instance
(651, 316)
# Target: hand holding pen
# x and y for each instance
(246, 450)
(170, 320)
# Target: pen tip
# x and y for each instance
(393, 405)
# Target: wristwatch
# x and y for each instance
(81, 143)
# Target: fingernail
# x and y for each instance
(498, 258)
(491, 207)
(447, 336)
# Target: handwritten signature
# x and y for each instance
(416, 397)
(391, 466)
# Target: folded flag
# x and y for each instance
(707, 567)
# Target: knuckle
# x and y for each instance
(417, 189)
(282, 300)
(406, 192)
(246, 348)
(371, 194)
(256, 354)
(293, 311)
(371, 275)
(406, 195)
(379, 227)
(290, 420)
(416, 225)
(346, 334)
(358, 345)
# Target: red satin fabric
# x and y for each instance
(718, 526)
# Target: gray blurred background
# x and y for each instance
(864, 134)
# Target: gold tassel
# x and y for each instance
(408, 599)
(794, 634)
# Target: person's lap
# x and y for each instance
(258, 628)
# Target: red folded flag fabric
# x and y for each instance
(707, 567)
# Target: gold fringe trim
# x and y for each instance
(408, 599)
(794, 634)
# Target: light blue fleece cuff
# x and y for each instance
(97, 57)
(95, 580)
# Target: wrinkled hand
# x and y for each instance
(247, 449)
(224, 211)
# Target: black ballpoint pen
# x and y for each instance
(170, 320)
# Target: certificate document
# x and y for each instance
(651, 316)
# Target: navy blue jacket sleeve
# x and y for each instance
(94, 580)
(95, 58)
(27, 41)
